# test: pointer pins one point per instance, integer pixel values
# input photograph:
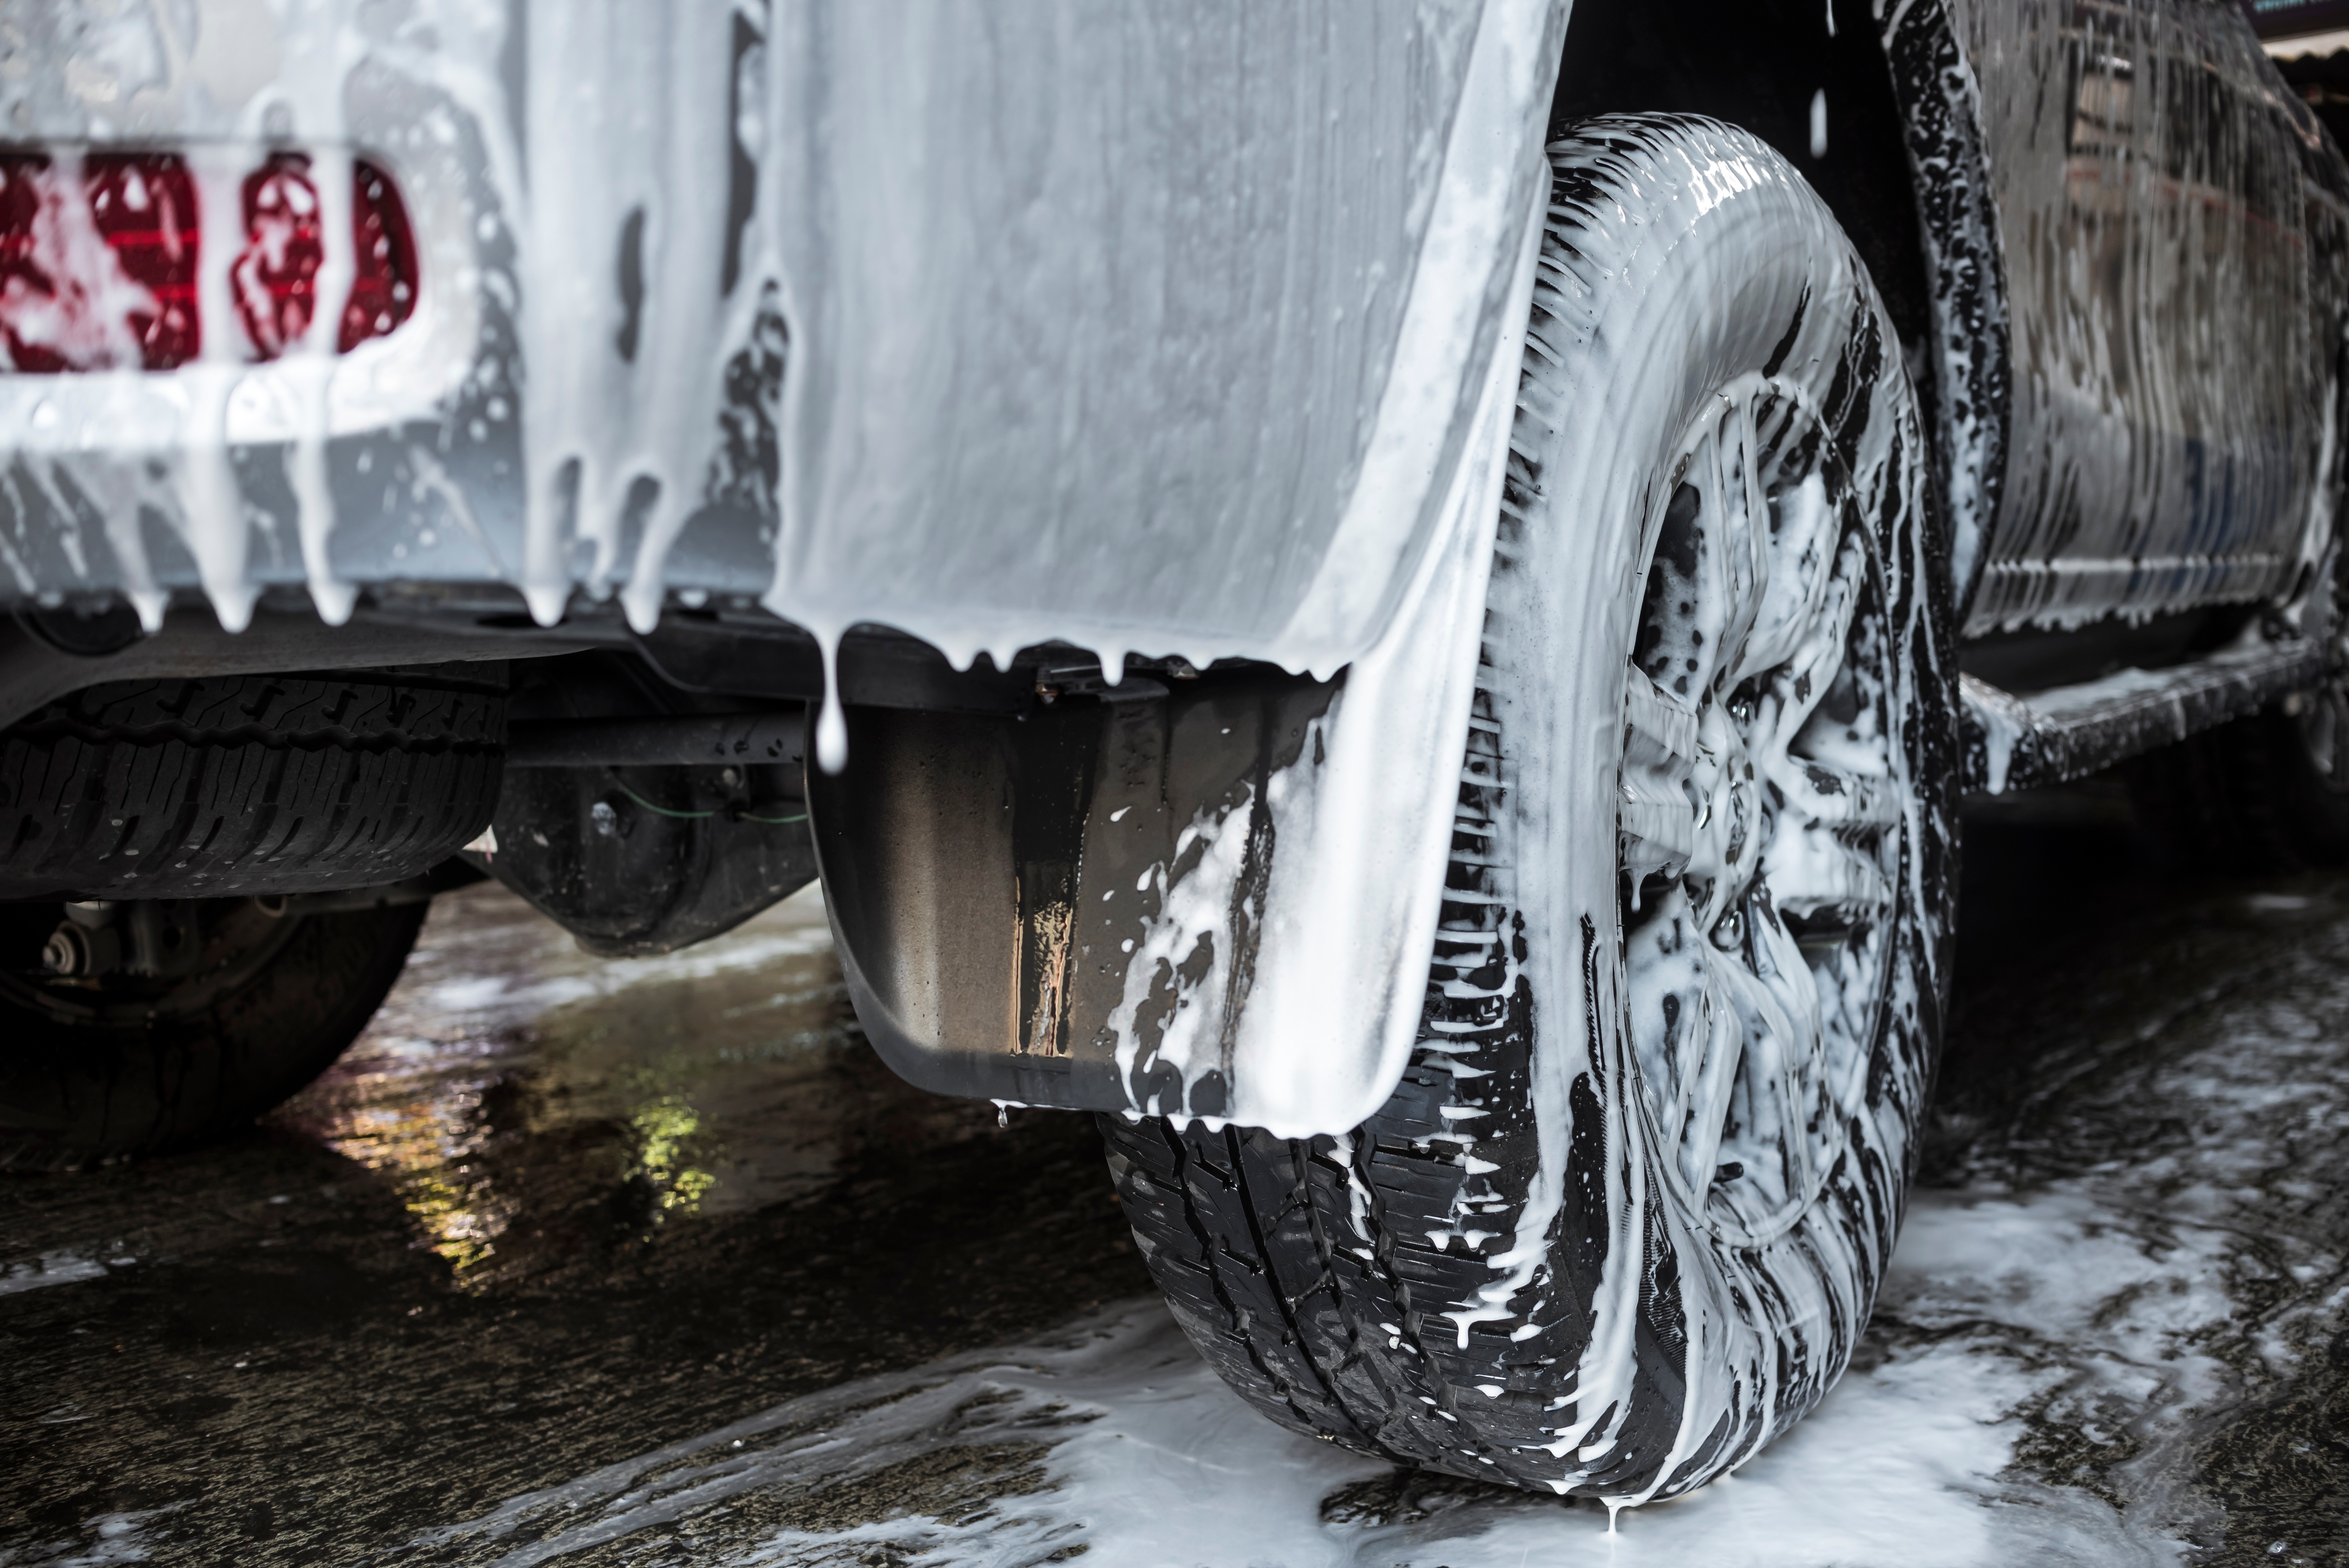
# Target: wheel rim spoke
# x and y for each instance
(1829, 795)
(1659, 755)
(1815, 877)
(1704, 1098)
(1745, 558)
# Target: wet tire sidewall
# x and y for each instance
(72, 1094)
(1488, 1277)
(1690, 1351)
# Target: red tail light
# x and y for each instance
(276, 277)
(104, 277)
(144, 207)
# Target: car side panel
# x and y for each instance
(2171, 360)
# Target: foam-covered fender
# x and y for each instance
(1208, 898)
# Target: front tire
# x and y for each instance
(1622, 1220)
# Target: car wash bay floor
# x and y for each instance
(652, 1262)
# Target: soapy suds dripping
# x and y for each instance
(1471, 203)
(124, 419)
(606, 432)
(1960, 123)
(613, 168)
(318, 61)
(90, 326)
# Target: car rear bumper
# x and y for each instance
(996, 329)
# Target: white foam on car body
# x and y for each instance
(918, 489)
(237, 88)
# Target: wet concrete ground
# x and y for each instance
(653, 1263)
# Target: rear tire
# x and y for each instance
(226, 785)
(1624, 1217)
(124, 1065)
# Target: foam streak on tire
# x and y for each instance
(1506, 1273)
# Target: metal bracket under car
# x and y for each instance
(1030, 906)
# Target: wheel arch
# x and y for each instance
(1905, 173)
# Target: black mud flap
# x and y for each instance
(992, 879)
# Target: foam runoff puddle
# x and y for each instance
(52, 1268)
(1113, 1435)
(107, 1538)
(2138, 1264)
